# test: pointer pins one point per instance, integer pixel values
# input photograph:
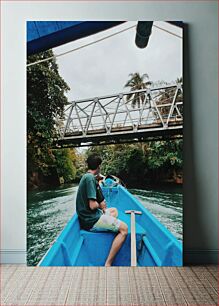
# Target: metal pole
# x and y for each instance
(133, 241)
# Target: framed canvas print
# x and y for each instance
(104, 143)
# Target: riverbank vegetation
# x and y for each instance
(137, 164)
(141, 164)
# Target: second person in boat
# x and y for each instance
(92, 211)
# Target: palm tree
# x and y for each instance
(137, 82)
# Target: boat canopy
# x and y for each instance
(44, 35)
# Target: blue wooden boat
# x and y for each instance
(156, 245)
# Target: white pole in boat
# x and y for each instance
(133, 236)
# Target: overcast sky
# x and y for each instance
(104, 67)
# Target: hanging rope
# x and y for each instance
(96, 41)
(162, 29)
(81, 47)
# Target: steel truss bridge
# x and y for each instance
(146, 114)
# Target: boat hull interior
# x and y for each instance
(155, 245)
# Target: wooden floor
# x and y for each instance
(23, 285)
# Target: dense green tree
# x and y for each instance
(165, 154)
(46, 99)
(65, 164)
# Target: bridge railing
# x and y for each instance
(128, 112)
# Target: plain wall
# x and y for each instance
(200, 108)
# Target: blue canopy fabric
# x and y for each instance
(44, 35)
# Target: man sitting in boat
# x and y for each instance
(91, 208)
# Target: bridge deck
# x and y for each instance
(125, 134)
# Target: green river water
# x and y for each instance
(48, 212)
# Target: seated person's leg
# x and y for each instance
(107, 223)
(117, 243)
(112, 211)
